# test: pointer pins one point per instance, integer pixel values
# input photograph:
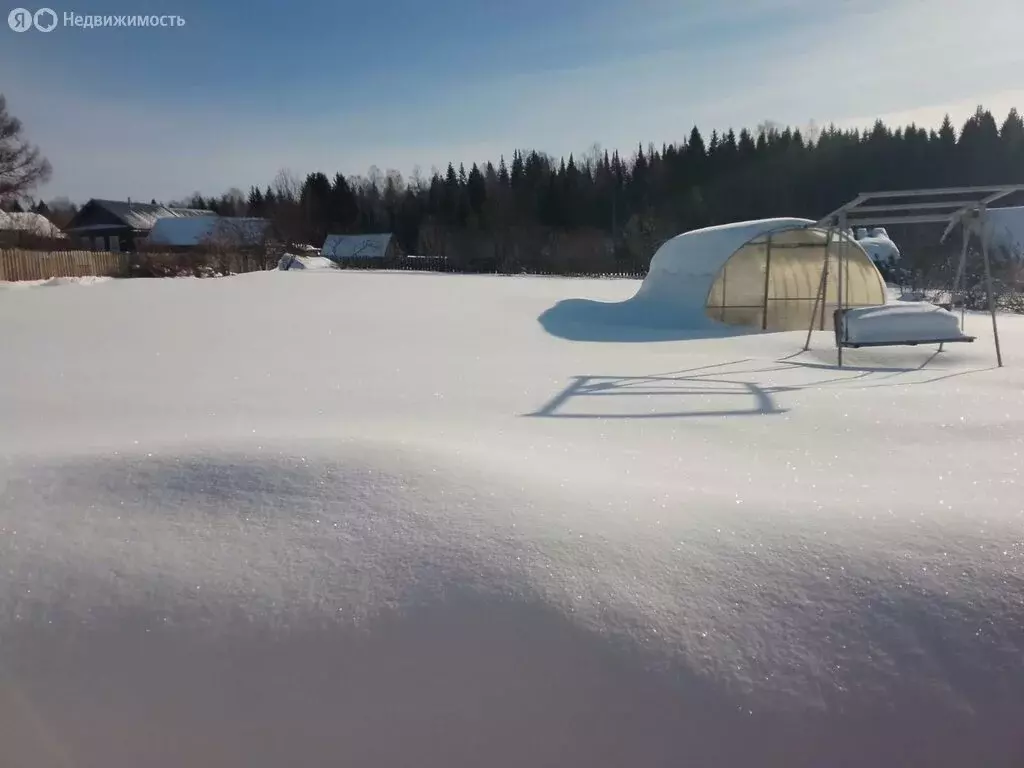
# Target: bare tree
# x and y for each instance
(61, 211)
(416, 181)
(375, 178)
(767, 128)
(287, 185)
(22, 168)
(592, 159)
(393, 181)
(812, 132)
(239, 245)
(233, 202)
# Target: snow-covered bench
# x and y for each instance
(897, 325)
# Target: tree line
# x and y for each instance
(633, 203)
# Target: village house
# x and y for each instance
(113, 225)
(376, 246)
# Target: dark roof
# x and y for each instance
(144, 215)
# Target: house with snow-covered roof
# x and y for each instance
(15, 226)
(375, 246)
(113, 225)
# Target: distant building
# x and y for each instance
(210, 231)
(1005, 229)
(377, 246)
(112, 225)
(16, 226)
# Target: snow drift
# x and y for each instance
(291, 261)
(425, 531)
(55, 281)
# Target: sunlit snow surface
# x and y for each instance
(328, 518)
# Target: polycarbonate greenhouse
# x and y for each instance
(765, 274)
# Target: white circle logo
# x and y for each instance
(20, 20)
(45, 19)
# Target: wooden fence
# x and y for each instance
(24, 264)
(20, 264)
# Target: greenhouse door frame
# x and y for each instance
(963, 206)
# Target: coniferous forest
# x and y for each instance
(605, 212)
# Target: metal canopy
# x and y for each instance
(917, 206)
(952, 206)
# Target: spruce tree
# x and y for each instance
(255, 203)
(476, 191)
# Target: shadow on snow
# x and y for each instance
(630, 321)
(719, 389)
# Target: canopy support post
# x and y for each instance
(840, 332)
(988, 284)
(767, 282)
(725, 283)
(957, 283)
(824, 277)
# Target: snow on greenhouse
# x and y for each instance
(766, 274)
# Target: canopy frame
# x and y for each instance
(966, 207)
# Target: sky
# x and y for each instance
(244, 90)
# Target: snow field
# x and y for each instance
(330, 516)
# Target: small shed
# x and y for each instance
(343, 247)
(765, 274)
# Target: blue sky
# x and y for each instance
(243, 90)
